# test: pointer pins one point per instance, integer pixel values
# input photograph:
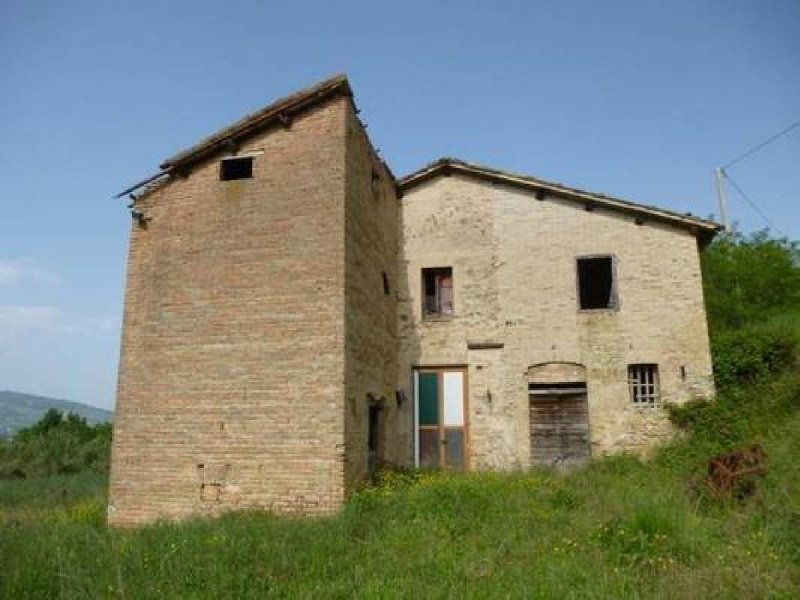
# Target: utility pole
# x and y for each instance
(723, 201)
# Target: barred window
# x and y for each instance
(643, 384)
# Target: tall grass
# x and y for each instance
(621, 528)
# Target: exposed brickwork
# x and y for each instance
(258, 329)
(234, 335)
(513, 260)
(371, 228)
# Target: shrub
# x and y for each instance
(56, 445)
(743, 356)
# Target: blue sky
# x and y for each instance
(637, 99)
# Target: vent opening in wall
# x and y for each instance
(231, 169)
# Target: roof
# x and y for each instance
(447, 166)
(282, 108)
(278, 111)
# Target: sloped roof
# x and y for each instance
(280, 110)
(447, 166)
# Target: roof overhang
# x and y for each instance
(278, 112)
(703, 229)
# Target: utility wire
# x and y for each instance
(752, 204)
(758, 147)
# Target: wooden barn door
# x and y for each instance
(559, 425)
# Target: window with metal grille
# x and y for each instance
(437, 285)
(643, 384)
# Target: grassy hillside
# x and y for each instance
(18, 410)
(621, 528)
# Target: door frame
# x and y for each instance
(439, 370)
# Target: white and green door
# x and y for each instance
(440, 413)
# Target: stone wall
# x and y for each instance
(514, 269)
(231, 382)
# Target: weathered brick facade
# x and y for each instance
(268, 319)
(238, 338)
(514, 272)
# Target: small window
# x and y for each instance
(437, 286)
(643, 384)
(596, 286)
(236, 168)
(386, 289)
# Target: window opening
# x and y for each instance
(236, 168)
(386, 289)
(437, 286)
(643, 384)
(596, 286)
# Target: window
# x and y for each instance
(236, 168)
(437, 286)
(386, 289)
(596, 285)
(643, 384)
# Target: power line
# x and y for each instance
(758, 147)
(752, 204)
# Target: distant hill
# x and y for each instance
(19, 410)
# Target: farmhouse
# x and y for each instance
(296, 317)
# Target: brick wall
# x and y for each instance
(371, 227)
(513, 260)
(231, 383)
(257, 330)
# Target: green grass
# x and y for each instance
(620, 528)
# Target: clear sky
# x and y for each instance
(639, 99)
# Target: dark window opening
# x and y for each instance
(386, 289)
(236, 168)
(375, 438)
(374, 434)
(437, 287)
(596, 283)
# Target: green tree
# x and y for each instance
(56, 444)
(750, 278)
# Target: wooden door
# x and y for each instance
(559, 431)
(441, 421)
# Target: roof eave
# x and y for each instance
(277, 111)
(281, 110)
(442, 167)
